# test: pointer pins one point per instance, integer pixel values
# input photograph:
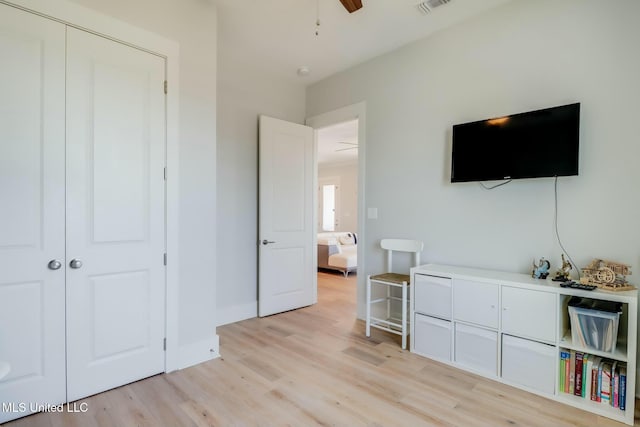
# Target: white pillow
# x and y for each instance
(346, 239)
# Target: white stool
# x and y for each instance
(391, 280)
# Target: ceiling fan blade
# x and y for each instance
(351, 5)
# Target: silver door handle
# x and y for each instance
(266, 242)
(75, 263)
(54, 264)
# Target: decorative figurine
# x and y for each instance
(607, 275)
(563, 274)
(541, 271)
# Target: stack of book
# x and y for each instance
(594, 378)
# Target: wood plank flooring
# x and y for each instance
(314, 366)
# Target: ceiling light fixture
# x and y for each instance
(303, 71)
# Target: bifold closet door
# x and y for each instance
(115, 214)
(32, 323)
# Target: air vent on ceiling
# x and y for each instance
(428, 5)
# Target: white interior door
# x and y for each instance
(32, 328)
(115, 214)
(286, 279)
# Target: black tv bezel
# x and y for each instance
(488, 177)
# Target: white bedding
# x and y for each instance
(347, 259)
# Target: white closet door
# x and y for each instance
(31, 210)
(115, 214)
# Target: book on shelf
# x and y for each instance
(577, 389)
(593, 375)
(623, 387)
(586, 375)
(615, 384)
(593, 378)
(605, 388)
(599, 386)
(572, 371)
(567, 367)
(562, 374)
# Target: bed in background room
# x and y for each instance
(338, 251)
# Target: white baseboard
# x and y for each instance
(198, 352)
(236, 313)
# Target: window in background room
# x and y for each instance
(328, 205)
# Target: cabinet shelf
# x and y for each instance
(533, 326)
(619, 354)
(595, 407)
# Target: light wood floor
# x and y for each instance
(315, 367)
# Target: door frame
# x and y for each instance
(75, 15)
(341, 115)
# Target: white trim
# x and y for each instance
(237, 313)
(198, 352)
(341, 115)
(80, 17)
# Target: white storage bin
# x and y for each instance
(476, 302)
(432, 337)
(432, 296)
(529, 363)
(476, 348)
(521, 313)
(594, 329)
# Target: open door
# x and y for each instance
(286, 278)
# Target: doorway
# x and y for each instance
(337, 206)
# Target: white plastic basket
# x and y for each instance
(594, 329)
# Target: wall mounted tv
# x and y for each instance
(535, 144)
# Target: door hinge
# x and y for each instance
(165, 174)
(165, 258)
(166, 86)
(164, 344)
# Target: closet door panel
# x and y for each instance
(32, 211)
(115, 213)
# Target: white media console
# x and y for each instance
(512, 328)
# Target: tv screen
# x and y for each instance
(535, 144)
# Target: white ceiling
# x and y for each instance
(338, 143)
(278, 36)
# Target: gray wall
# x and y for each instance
(244, 93)
(517, 57)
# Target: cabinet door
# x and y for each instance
(529, 363)
(476, 348)
(432, 296)
(476, 302)
(115, 214)
(529, 313)
(432, 337)
(32, 307)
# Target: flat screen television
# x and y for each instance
(535, 144)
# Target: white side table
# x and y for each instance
(4, 369)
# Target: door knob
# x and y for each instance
(266, 242)
(75, 263)
(54, 264)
